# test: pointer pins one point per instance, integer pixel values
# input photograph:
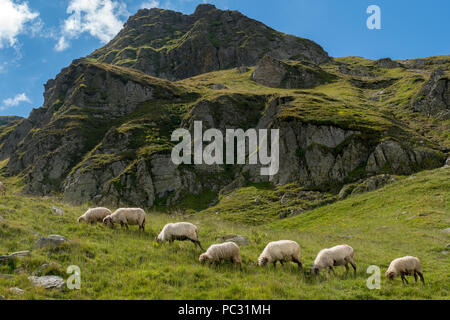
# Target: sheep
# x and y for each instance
(283, 251)
(2, 189)
(126, 216)
(218, 253)
(405, 266)
(180, 231)
(336, 256)
(94, 215)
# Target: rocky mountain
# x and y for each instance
(103, 132)
(6, 120)
(174, 46)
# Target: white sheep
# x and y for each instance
(405, 266)
(218, 253)
(283, 251)
(340, 255)
(2, 188)
(127, 216)
(94, 215)
(180, 231)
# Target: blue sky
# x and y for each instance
(39, 37)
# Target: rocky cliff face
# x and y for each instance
(173, 46)
(103, 133)
(434, 98)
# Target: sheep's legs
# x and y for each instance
(300, 266)
(329, 271)
(415, 276)
(404, 280)
(197, 243)
(274, 264)
(346, 268)
(354, 267)
(421, 277)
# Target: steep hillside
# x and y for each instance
(405, 218)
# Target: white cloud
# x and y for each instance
(150, 4)
(100, 18)
(62, 44)
(14, 18)
(13, 102)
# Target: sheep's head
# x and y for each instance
(203, 258)
(107, 221)
(80, 219)
(390, 275)
(314, 270)
(263, 261)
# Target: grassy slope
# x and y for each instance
(126, 264)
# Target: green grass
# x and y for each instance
(120, 264)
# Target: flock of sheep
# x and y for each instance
(277, 251)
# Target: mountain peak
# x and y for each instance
(204, 8)
(173, 45)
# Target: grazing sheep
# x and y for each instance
(337, 256)
(2, 189)
(180, 231)
(405, 266)
(218, 253)
(126, 216)
(283, 251)
(94, 215)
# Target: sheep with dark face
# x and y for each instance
(94, 215)
(406, 266)
(218, 253)
(180, 231)
(341, 255)
(126, 217)
(283, 251)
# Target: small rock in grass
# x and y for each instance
(57, 211)
(50, 241)
(20, 254)
(446, 230)
(48, 282)
(16, 291)
(2, 297)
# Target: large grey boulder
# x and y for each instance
(50, 241)
(48, 282)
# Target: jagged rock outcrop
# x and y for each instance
(175, 46)
(367, 185)
(388, 63)
(274, 73)
(392, 157)
(434, 98)
(80, 105)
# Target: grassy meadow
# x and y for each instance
(405, 218)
